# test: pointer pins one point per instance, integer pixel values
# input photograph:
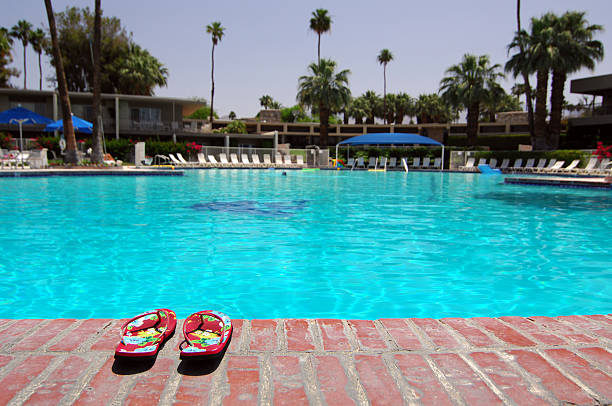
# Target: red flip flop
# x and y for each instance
(142, 336)
(207, 334)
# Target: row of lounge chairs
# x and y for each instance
(210, 161)
(593, 167)
(392, 163)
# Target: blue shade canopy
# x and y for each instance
(16, 114)
(79, 125)
(390, 138)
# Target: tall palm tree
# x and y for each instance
(142, 72)
(71, 150)
(97, 155)
(524, 74)
(216, 31)
(6, 46)
(325, 90)
(37, 39)
(404, 106)
(22, 31)
(469, 84)
(384, 58)
(538, 57)
(576, 49)
(372, 101)
(265, 101)
(320, 23)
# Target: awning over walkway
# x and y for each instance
(390, 139)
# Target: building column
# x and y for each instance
(117, 117)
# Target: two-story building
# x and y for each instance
(595, 120)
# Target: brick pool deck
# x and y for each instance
(478, 361)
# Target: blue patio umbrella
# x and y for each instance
(79, 125)
(20, 115)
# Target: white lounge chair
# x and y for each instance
(518, 164)
(392, 163)
(555, 168)
(504, 164)
(437, 162)
(416, 162)
(571, 167)
(202, 160)
(182, 160)
(426, 161)
(546, 168)
(224, 161)
(299, 160)
(360, 162)
(541, 164)
(493, 163)
(267, 162)
(278, 160)
(482, 161)
(234, 160)
(469, 165)
(213, 161)
(529, 165)
(287, 161)
(590, 167)
(256, 161)
(372, 162)
(244, 159)
(603, 168)
(382, 162)
(174, 160)
(351, 163)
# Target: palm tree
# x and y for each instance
(22, 32)
(320, 23)
(384, 58)
(216, 31)
(525, 74)
(431, 108)
(71, 150)
(265, 101)
(372, 101)
(404, 106)
(576, 49)
(141, 72)
(325, 90)
(469, 84)
(6, 45)
(97, 155)
(37, 39)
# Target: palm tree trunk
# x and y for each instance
(528, 100)
(212, 88)
(556, 107)
(324, 125)
(540, 130)
(40, 71)
(385, 92)
(71, 151)
(472, 122)
(25, 71)
(97, 155)
(319, 49)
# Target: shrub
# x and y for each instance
(6, 141)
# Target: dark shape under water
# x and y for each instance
(253, 207)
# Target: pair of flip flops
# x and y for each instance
(206, 333)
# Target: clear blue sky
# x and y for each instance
(268, 45)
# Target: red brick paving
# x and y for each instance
(517, 360)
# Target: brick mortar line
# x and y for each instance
(485, 378)
(311, 387)
(408, 394)
(450, 389)
(571, 377)
(60, 336)
(27, 390)
(83, 381)
(219, 388)
(281, 335)
(171, 386)
(478, 327)
(125, 388)
(355, 389)
(461, 340)
(266, 386)
(385, 335)
(351, 335)
(426, 342)
(245, 337)
(317, 339)
(585, 331)
(17, 359)
(595, 362)
(528, 335)
(87, 343)
(8, 324)
(536, 385)
(27, 335)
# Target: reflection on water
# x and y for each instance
(595, 201)
(276, 209)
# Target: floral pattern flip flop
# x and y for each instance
(207, 334)
(143, 335)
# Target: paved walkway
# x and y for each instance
(479, 361)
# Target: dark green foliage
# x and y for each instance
(203, 113)
(494, 142)
(235, 127)
(6, 141)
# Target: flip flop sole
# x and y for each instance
(141, 337)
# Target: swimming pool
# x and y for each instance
(256, 244)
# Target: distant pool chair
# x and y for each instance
(299, 159)
(372, 162)
(213, 161)
(492, 163)
(416, 162)
(267, 161)
(183, 160)
(504, 164)
(256, 161)
(426, 162)
(392, 163)
(360, 162)
(541, 164)
(469, 165)
(351, 163)
(437, 163)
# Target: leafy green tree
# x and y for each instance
(384, 57)
(326, 90)
(404, 106)
(576, 49)
(431, 108)
(216, 31)
(373, 102)
(358, 109)
(37, 40)
(71, 148)
(468, 85)
(294, 114)
(232, 115)
(388, 109)
(320, 23)
(142, 72)
(498, 101)
(6, 58)
(22, 31)
(203, 113)
(235, 127)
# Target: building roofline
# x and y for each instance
(31, 92)
(595, 85)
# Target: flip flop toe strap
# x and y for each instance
(186, 333)
(162, 330)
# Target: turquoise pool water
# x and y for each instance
(256, 244)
